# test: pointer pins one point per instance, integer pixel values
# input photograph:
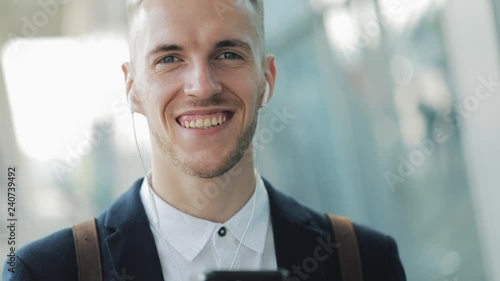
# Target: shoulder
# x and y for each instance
(53, 257)
(379, 254)
(378, 251)
(35, 259)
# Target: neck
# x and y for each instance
(216, 199)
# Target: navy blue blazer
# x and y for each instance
(302, 237)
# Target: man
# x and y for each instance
(199, 74)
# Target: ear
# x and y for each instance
(132, 96)
(270, 73)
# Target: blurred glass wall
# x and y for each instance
(384, 111)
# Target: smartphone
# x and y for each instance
(244, 276)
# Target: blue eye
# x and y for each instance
(229, 56)
(168, 59)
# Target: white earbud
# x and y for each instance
(265, 100)
(130, 103)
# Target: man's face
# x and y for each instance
(198, 77)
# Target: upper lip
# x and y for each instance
(203, 111)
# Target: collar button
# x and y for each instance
(222, 231)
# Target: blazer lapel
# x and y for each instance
(131, 247)
(297, 236)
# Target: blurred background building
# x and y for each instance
(385, 111)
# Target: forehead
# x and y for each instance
(193, 23)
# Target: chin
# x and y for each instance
(206, 173)
(207, 168)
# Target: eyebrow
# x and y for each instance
(233, 43)
(164, 48)
(219, 45)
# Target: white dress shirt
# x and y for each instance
(198, 245)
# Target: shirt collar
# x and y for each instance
(188, 235)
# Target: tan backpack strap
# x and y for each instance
(88, 256)
(349, 259)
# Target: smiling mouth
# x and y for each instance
(205, 121)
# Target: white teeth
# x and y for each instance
(205, 123)
(199, 123)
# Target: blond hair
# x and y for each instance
(133, 5)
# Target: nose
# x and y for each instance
(202, 82)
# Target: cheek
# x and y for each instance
(242, 83)
(248, 92)
(250, 100)
(158, 97)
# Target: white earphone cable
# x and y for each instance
(159, 232)
(246, 230)
(260, 112)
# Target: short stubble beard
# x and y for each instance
(243, 142)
